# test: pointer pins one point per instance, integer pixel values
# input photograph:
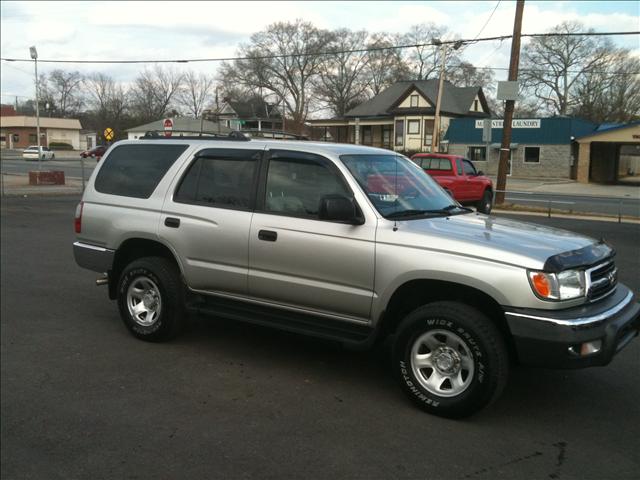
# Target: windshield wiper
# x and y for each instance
(409, 213)
(414, 213)
(460, 207)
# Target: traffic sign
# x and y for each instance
(109, 134)
(168, 127)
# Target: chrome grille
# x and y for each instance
(601, 280)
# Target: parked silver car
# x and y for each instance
(31, 153)
(352, 244)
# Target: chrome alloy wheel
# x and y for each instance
(442, 362)
(143, 301)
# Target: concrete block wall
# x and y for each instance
(555, 161)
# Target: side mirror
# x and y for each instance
(479, 172)
(339, 208)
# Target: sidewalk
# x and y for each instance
(570, 187)
(18, 185)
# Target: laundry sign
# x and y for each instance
(516, 123)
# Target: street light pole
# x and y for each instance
(34, 56)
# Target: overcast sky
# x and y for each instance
(168, 30)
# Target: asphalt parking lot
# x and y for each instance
(81, 398)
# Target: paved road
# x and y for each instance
(72, 168)
(627, 206)
(81, 398)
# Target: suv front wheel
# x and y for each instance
(150, 299)
(450, 359)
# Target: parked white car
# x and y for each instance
(31, 153)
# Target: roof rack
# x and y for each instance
(160, 135)
(276, 134)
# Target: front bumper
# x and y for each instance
(552, 338)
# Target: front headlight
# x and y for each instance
(558, 286)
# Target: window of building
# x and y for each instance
(33, 138)
(414, 100)
(428, 131)
(387, 131)
(220, 178)
(477, 154)
(16, 137)
(296, 182)
(531, 154)
(399, 133)
(475, 105)
(413, 127)
(136, 170)
(367, 138)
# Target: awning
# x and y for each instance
(498, 146)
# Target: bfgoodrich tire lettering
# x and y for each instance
(150, 299)
(450, 359)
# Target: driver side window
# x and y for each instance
(296, 182)
(469, 169)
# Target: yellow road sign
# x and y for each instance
(108, 134)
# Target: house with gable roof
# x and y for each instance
(401, 118)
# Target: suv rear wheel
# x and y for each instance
(450, 359)
(150, 299)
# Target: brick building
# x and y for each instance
(19, 131)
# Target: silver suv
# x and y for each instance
(352, 244)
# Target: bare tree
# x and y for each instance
(613, 93)
(107, 101)
(283, 59)
(466, 74)
(341, 83)
(153, 92)
(385, 65)
(424, 60)
(553, 66)
(196, 93)
(63, 87)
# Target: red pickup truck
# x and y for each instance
(459, 178)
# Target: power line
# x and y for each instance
(488, 20)
(535, 70)
(324, 53)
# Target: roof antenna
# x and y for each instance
(395, 192)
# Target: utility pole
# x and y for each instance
(505, 149)
(435, 138)
(436, 119)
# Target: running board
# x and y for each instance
(350, 334)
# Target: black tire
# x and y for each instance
(163, 299)
(486, 203)
(486, 359)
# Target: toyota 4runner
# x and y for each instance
(352, 244)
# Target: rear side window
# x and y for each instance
(223, 178)
(436, 163)
(136, 170)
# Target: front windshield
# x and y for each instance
(398, 187)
